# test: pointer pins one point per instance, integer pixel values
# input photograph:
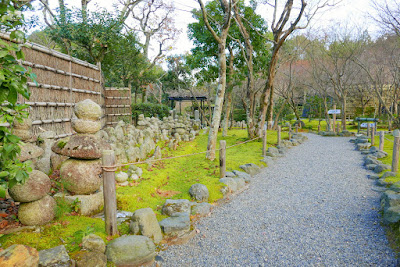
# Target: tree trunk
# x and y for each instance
(219, 99)
(146, 45)
(136, 95)
(266, 101)
(144, 95)
(63, 20)
(227, 113)
(278, 114)
(344, 104)
(230, 127)
(327, 118)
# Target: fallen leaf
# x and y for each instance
(3, 224)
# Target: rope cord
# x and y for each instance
(114, 167)
(389, 140)
(243, 142)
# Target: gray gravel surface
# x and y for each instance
(313, 207)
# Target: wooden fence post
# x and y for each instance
(222, 158)
(297, 128)
(396, 147)
(110, 200)
(381, 140)
(337, 127)
(372, 136)
(290, 131)
(279, 135)
(368, 129)
(319, 127)
(334, 119)
(264, 147)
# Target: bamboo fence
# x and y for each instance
(61, 82)
(117, 105)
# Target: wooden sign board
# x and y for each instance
(334, 111)
(365, 124)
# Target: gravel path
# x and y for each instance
(315, 206)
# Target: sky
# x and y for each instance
(346, 13)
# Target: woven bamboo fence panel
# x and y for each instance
(117, 105)
(61, 82)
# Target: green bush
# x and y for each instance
(13, 82)
(368, 112)
(149, 110)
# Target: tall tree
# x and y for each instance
(220, 38)
(155, 19)
(282, 27)
(338, 64)
(252, 29)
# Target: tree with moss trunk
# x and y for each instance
(219, 97)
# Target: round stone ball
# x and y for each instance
(36, 187)
(88, 110)
(38, 212)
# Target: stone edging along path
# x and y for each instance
(313, 208)
(139, 247)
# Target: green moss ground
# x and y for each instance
(388, 148)
(173, 176)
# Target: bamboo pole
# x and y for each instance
(64, 88)
(110, 200)
(222, 158)
(66, 73)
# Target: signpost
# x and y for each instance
(365, 124)
(334, 111)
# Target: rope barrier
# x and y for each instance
(114, 167)
(389, 140)
(243, 142)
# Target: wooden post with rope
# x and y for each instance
(279, 136)
(222, 158)
(381, 140)
(110, 200)
(264, 147)
(396, 147)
